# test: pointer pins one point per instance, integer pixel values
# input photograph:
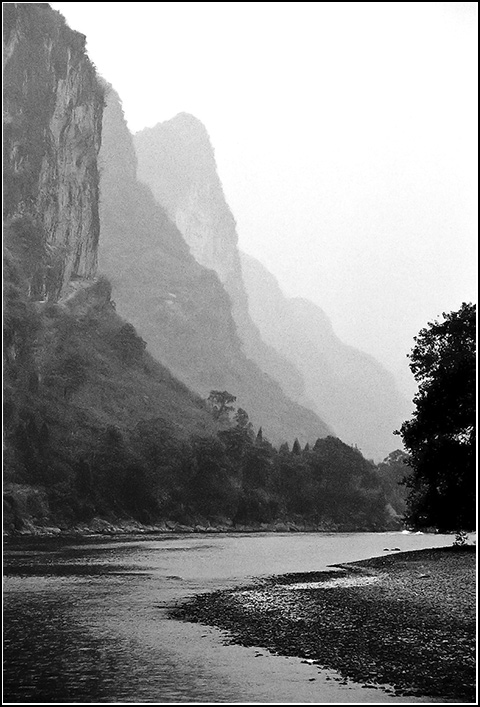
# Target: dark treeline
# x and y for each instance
(97, 428)
(149, 474)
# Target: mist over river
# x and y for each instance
(86, 620)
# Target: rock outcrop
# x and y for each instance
(352, 391)
(53, 107)
(176, 160)
(180, 307)
(80, 391)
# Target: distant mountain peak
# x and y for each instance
(176, 160)
(176, 133)
(180, 308)
(186, 119)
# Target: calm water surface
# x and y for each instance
(86, 620)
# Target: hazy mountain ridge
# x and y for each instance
(96, 431)
(180, 307)
(352, 390)
(177, 161)
(345, 386)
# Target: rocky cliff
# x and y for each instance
(177, 161)
(96, 431)
(180, 307)
(83, 399)
(352, 391)
(52, 129)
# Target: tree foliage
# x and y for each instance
(440, 437)
(393, 472)
(220, 402)
(69, 376)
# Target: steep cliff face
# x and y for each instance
(179, 307)
(52, 129)
(176, 160)
(351, 390)
(83, 399)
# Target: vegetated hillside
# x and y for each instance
(77, 381)
(82, 400)
(179, 307)
(176, 160)
(352, 391)
(94, 426)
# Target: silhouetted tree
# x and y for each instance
(243, 423)
(212, 489)
(296, 449)
(220, 403)
(393, 472)
(235, 440)
(440, 437)
(256, 466)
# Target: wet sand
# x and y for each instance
(406, 620)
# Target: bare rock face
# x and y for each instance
(177, 161)
(52, 130)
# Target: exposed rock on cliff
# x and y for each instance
(179, 307)
(81, 394)
(176, 160)
(96, 431)
(352, 391)
(52, 128)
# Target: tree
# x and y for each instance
(296, 449)
(243, 423)
(256, 467)
(440, 437)
(393, 472)
(212, 490)
(220, 403)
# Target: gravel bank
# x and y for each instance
(406, 620)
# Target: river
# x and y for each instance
(85, 620)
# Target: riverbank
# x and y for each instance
(27, 512)
(405, 620)
(100, 526)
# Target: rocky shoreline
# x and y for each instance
(24, 526)
(405, 620)
(100, 526)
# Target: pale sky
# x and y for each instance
(345, 138)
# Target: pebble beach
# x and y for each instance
(404, 622)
